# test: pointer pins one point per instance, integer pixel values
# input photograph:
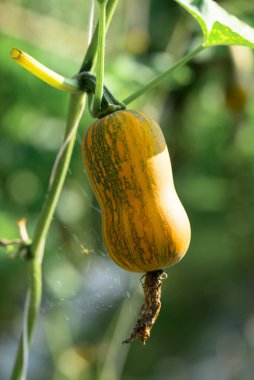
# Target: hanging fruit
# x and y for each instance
(145, 227)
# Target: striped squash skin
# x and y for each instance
(144, 224)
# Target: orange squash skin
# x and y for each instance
(144, 224)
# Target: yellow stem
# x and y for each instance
(44, 73)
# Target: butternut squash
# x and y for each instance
(145, 227)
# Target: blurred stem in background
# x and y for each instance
(115, 357)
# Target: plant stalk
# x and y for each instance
(76, 108)
(30, 317)
(162, 76)
(89, 60)
(100, 60)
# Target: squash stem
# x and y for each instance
(109, 104)
(151, 307)
(100, 61)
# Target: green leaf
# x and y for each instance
(218, 26)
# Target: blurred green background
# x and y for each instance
(206, 327)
